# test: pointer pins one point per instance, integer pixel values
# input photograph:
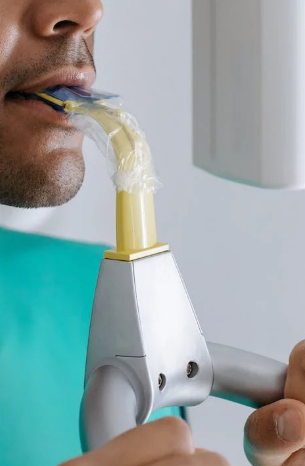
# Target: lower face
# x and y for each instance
(41, 160)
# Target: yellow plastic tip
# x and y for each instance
(129, 256)
(49, 98)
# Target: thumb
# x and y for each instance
(275, 432)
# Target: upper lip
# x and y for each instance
(69, 77)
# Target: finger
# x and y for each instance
(295, 383)
(275, 432)
(142, 446)
(200, 458)
(208, 458)
(297, 459)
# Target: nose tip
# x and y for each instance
(59, 17)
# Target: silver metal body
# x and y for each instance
(146, 351)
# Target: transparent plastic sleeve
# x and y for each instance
(117, 134)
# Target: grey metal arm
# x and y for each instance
(108, 408)
(246, 378)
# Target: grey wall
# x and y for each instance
(241, 251)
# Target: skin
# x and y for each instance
(41, 164)
(274, 440)
(44, 165)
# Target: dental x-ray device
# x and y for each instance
(146, 348)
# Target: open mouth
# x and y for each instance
(22, 96)
(55, 96)
(32, 96)
(40, 106)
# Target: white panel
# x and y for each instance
(230, 72)
(202, 14)
(257, 102)
(283, 67)
(237, 88)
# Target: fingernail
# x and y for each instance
(290, 426)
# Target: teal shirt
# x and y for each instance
(46, 294)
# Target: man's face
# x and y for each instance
(42, 43)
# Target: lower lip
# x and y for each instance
(42, 111)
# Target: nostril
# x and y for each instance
(65, 24)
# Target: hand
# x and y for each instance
(275, 435)
(167, 442)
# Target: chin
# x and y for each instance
(34, 185)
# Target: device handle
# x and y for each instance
(246, 378)
(109, 405)
(108, 408)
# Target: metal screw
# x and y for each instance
(192, 370)
(162, 382)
